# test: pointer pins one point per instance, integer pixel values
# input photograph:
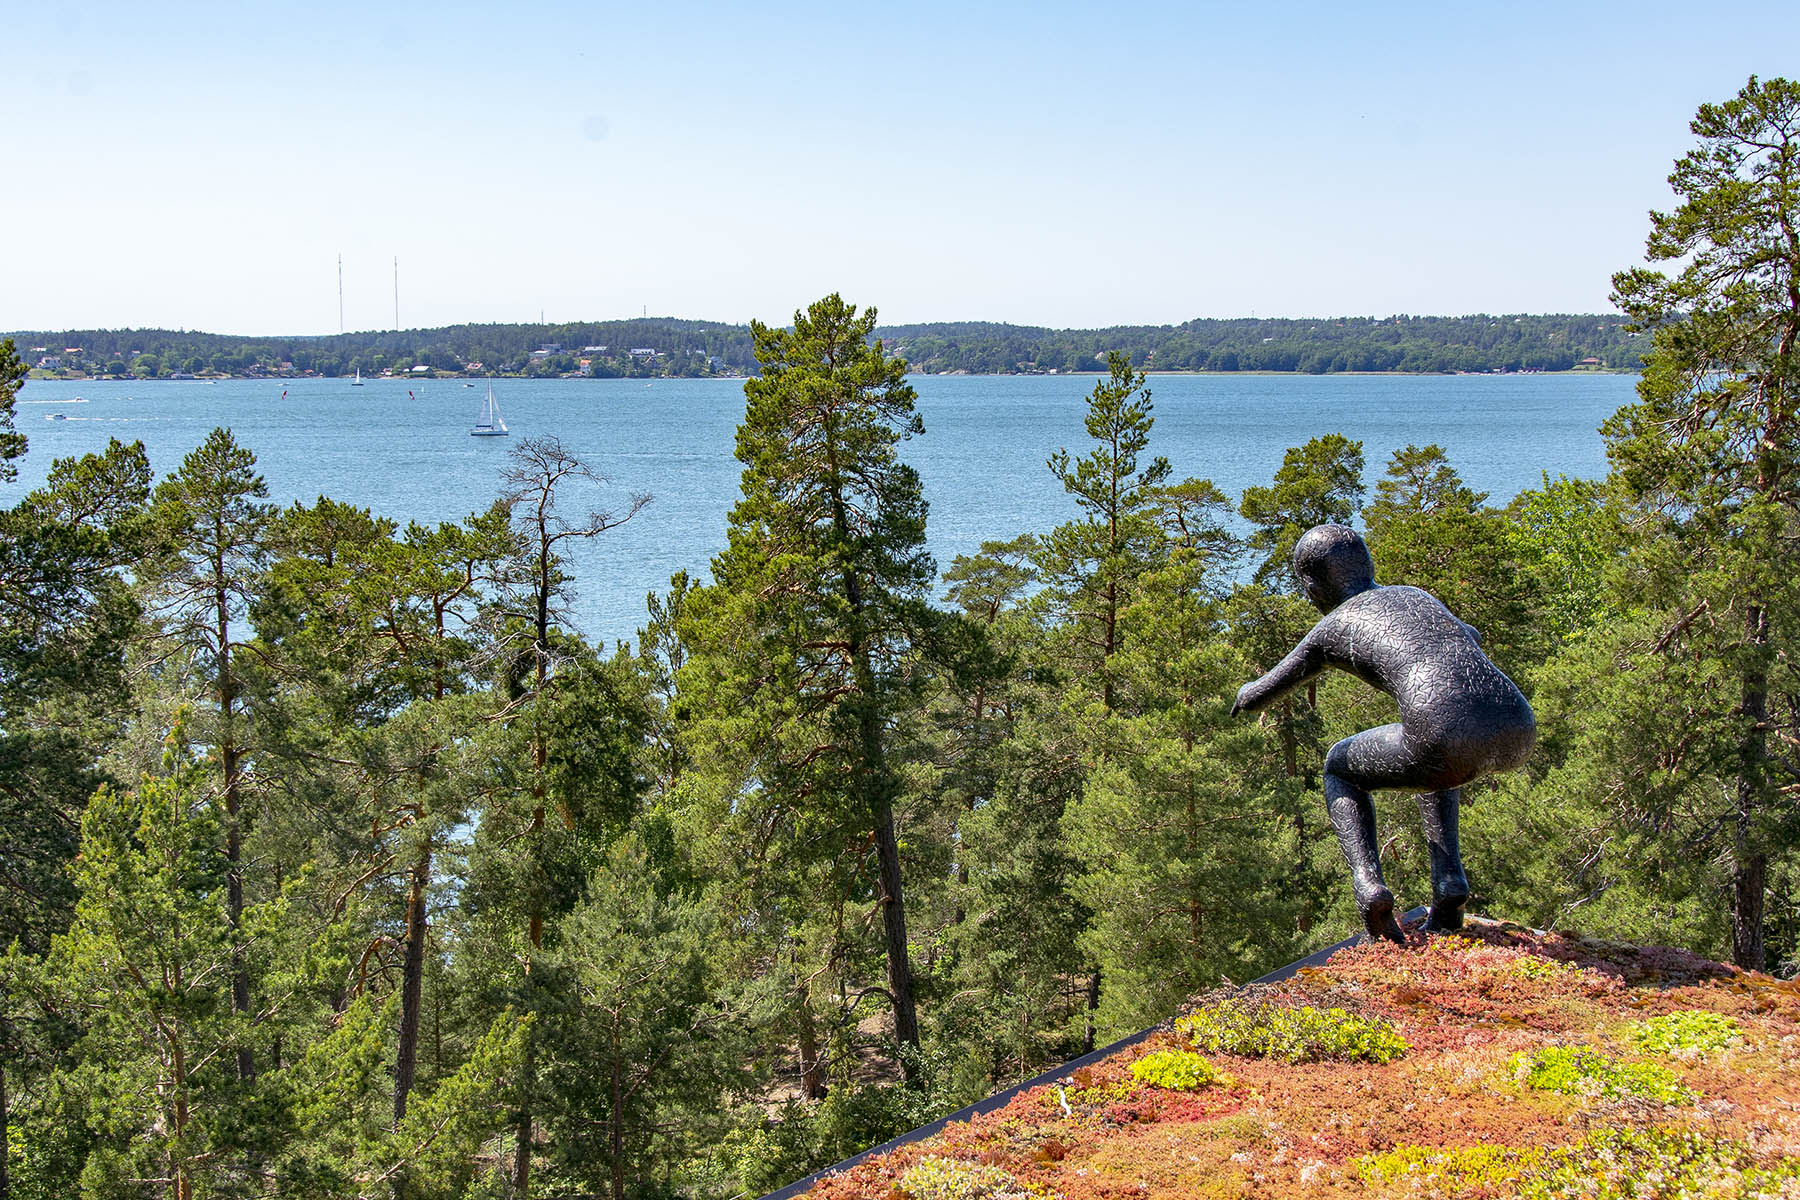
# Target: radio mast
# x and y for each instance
(340, 293)
(396, 294)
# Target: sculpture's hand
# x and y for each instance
(1300, 664)
(1242, 703)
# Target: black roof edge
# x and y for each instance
(1001, 1099)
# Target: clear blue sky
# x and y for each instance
(202, 165)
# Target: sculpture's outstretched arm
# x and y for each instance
(1305, 661)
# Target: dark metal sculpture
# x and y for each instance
(1460, 716)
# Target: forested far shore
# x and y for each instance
(1421, 345)
(653, 347)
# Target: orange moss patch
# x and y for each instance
(1466, 1005)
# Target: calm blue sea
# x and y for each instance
(402, 448)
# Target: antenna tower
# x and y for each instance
(340, 293)
(396, 294)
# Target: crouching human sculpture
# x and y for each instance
(1460, 717)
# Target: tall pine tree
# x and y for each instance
(213, 525)
(806, 644)
(1710, 453)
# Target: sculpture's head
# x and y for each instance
(1332, 564)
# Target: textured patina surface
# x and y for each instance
(1460, 716)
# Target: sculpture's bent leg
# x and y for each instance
(1449, 886)
(1353, 817)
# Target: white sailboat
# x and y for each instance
(357, 382)
(489, 424)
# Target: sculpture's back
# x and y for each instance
(1460, 717)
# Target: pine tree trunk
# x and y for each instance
(5, 1179)
(534, 930)
(615, 1122)
(877, 785)
(893, 921)
(1109, 644)
(1747, 882)
(1749, 865)
(877, 789)
(230, 769)
(522, 1152)
(181, 1168)
(812, 1071)
(1290, 746)
(534, 924)
(412, 982)
(979, 740)
(1093, 1009)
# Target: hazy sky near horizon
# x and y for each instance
(202, 165)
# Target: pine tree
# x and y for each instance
(647, 1051)
(806, 645)
(1010, 765)
(1183, 864)
(375, 629)
(66, 618)
(199, 585)
(1091, 565)
(973, 718)
(1659, 800)
(1318, 482)
(1092, 568)
(12, 442)
(148, 971)
(537, 483)
(661, 653)
(1428, 529)
(1710, 454)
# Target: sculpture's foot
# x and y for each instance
(1446, 915)
(1377, 907)
(1449, 896)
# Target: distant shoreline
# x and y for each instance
(659, 348)
(46, 377)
